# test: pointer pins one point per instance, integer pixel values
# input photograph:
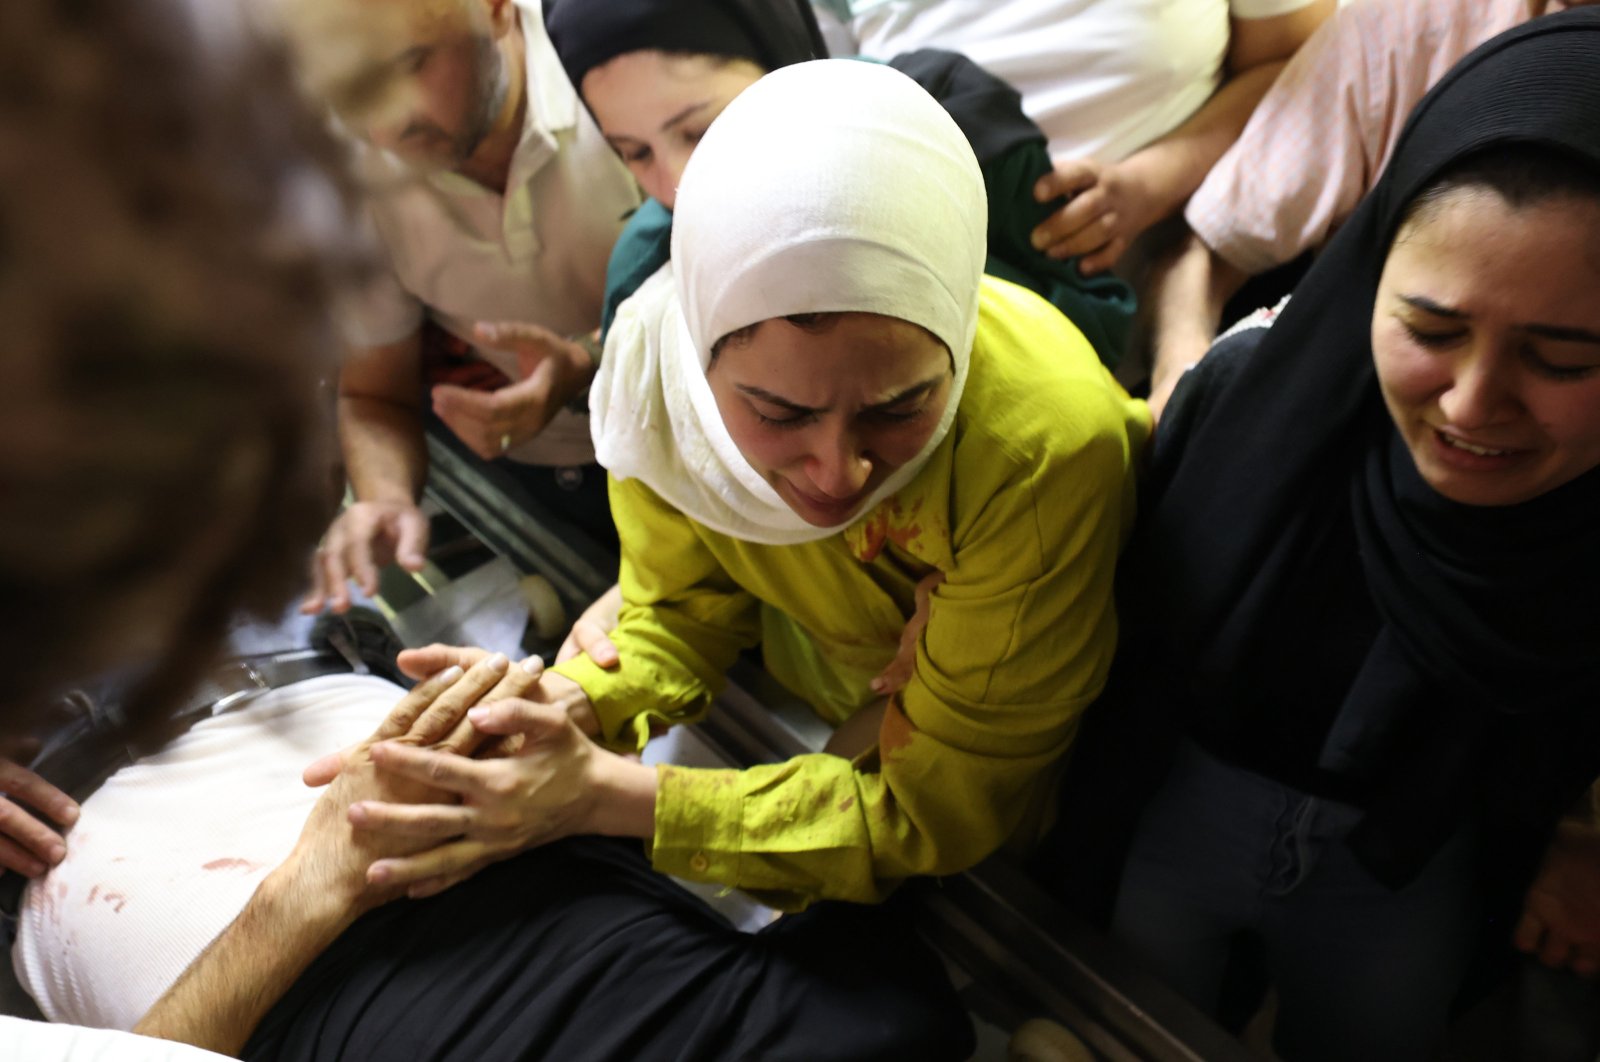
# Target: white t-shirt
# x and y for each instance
(37, 1041)
(1103, 78)
(461, 253)
(169, 850)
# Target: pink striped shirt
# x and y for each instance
(1325, 131)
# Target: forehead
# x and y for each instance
(860, 350)
(1474, 251)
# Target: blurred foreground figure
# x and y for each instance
(164, 290)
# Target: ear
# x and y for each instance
(502, 16)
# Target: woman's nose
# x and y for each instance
(668, 171)
(839, 468)
(1480, 392)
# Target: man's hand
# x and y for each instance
(27, 845)
(1561, 913)
(552, 371)
(591, 634)
(364, 538)
(1104, 212)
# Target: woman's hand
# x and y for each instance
(328, 864)
(591, 634)
(424, 665)
(27, 845)
(893, 678)
(553, 783)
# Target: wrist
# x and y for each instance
(625, 797)
(1153, 183)
(583, 362)
(303, 907)
(560, 690)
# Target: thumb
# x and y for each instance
(324, 770)
(1067, 178)
(411, 539)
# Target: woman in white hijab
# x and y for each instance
(827, 408)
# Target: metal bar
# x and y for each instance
(513, 524)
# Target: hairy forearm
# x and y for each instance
(221, 998)
(385, 455)
(1187, 293)
(1172, 168)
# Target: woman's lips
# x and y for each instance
(828, 510)
(1473, 455)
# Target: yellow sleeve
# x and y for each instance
(1019, 641)
(683, 623)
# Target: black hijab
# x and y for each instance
(769, 33)
(1479, 690)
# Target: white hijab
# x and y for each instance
(829, 186)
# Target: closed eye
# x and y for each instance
(1434, 340)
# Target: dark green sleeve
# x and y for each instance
(644, 246)
(1102, 306)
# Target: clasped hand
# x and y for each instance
(539, 780)
(330, 862)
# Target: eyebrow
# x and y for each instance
(620, 139)
(913, 391)
(1548, 331)
(685, 113)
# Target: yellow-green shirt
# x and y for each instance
(1024, 506)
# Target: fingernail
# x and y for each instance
(533, 665)
(68, 815)
(56, 853)
(358, 813)
(451, 673)
(497, 662)
(877, 685)
(478, 715)
(377, 874)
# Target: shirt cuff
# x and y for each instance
(621, 728)
(699, 823)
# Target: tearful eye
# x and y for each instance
(1429, 339)
(792, 420)
(899, 416)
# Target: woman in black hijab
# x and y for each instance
(654, 73)
(1358, 683)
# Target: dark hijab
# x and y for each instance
(769, 33)
(1474, 689)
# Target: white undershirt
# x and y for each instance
(168, 851)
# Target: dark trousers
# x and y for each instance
(579, 950)
(1362, 971)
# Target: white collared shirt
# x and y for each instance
(461, 253)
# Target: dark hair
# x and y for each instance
(1520, 174)
(815, 323)
(169, 244)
